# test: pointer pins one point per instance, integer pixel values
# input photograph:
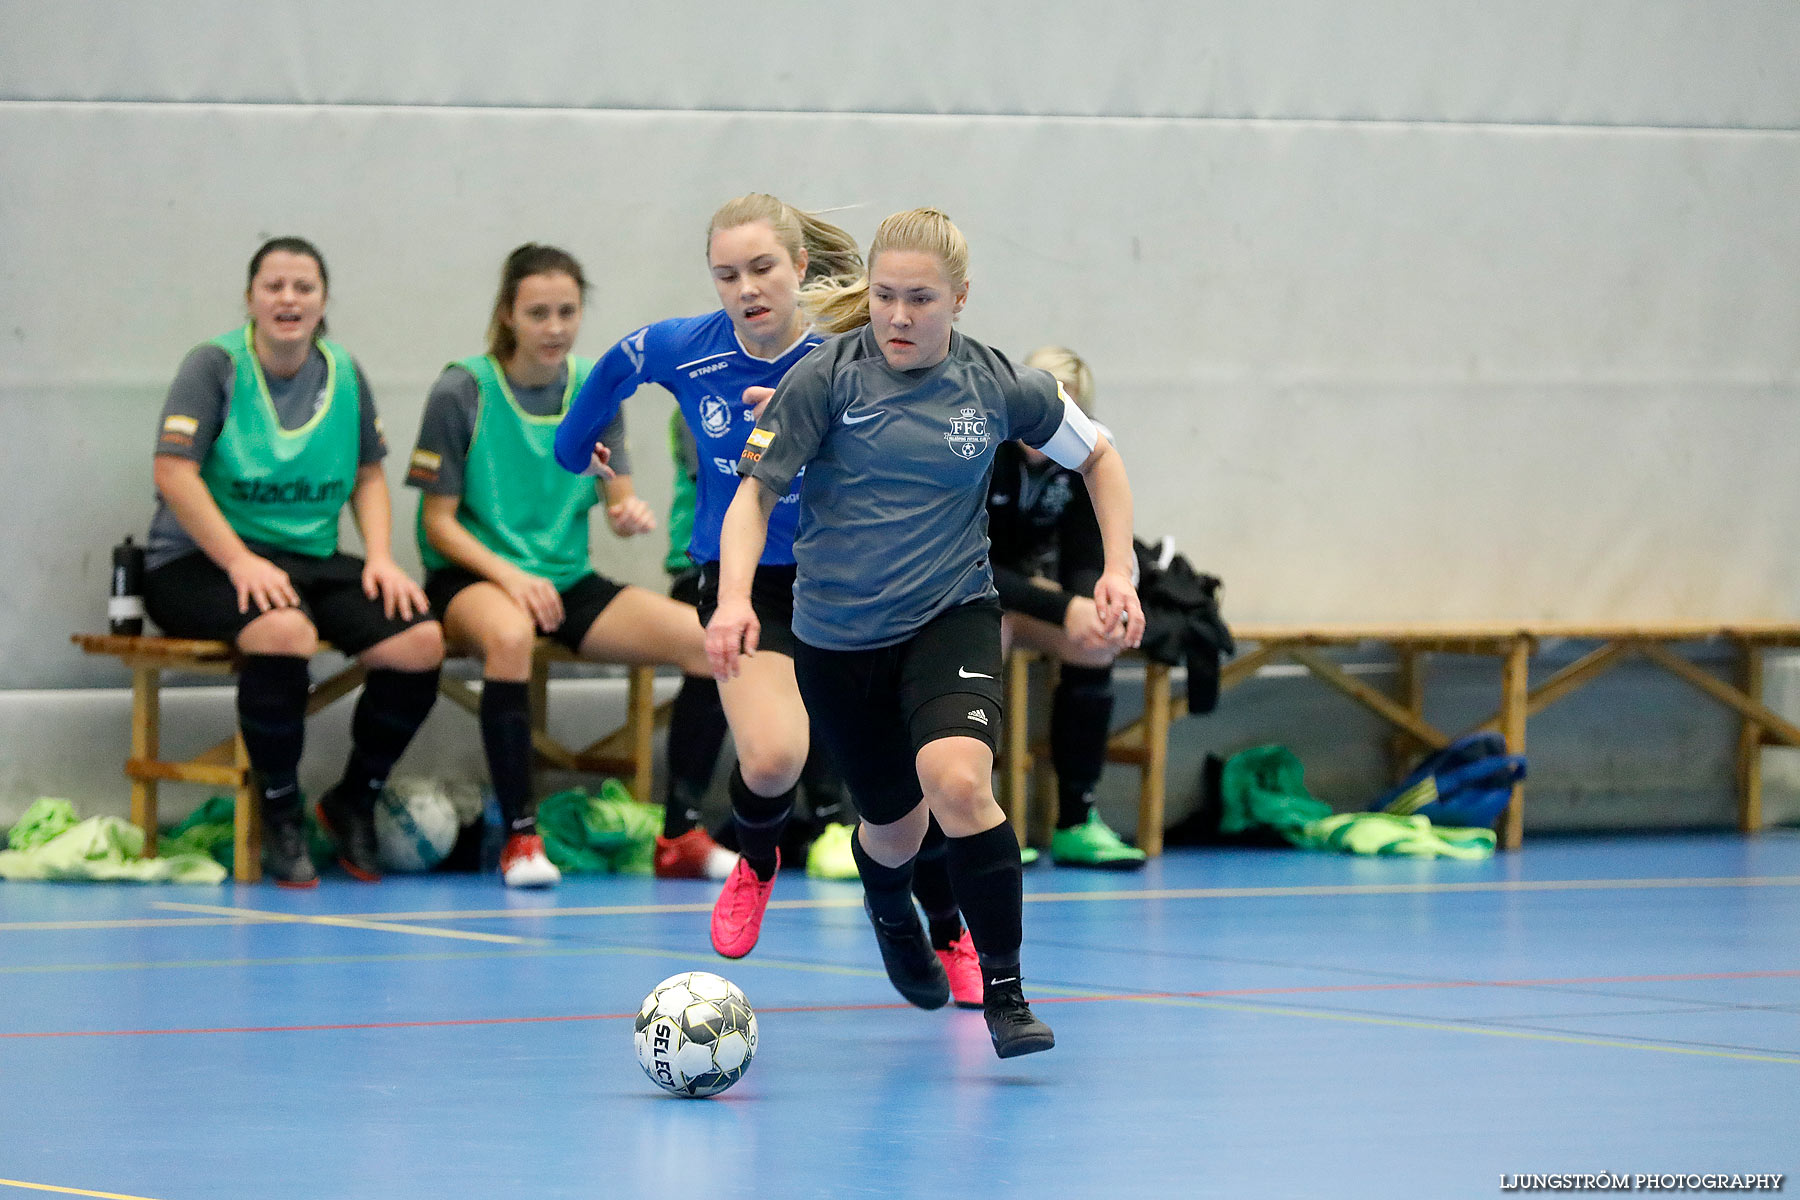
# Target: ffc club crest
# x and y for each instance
(715, 416)
(968, 436)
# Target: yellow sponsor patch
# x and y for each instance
(180, 424)
(761, 438)
(427, 461)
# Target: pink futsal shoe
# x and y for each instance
(737, 914)
(964, 971)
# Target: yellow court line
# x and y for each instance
(351, 922)
(374, 920)
(1404, 889)
(45, 1187)
(1445, 1027)
(131, 923)
(599, 910)
(1238, 893)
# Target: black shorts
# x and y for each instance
(771, 599)
(875, 709)
(583, 601)
(193, 597)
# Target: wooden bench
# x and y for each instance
(1145, 741)
(625, 752)
(1143, 744)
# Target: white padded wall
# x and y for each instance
(1399, 309)
(1725, 63)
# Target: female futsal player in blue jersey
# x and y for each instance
(896, 626)
(761, 252)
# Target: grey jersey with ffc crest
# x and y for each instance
(893, 512)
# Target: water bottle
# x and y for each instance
(125, 607)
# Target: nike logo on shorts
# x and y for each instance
(850, 420)
(965, 673)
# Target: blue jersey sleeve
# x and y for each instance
(630, 364)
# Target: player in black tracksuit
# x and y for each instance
(1047, 553)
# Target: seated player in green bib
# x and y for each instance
(267, 432)
(503, 531)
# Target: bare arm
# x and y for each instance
(382, 577)
(1114, 596)
(257, 580)
(734, 628)
(626, 511)
(533, 593)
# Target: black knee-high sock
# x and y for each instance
(931, 885)
(827, 798)
(888, 889)
(1080, 715)
(506, 736)
(271, 710)
(990, 886)
(759, 820)
(696, 732)
(393, 706)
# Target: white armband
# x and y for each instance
(1074, 439)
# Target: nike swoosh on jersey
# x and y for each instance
(965, 673)
(850, 420)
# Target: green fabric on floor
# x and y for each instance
(588, 834)
(1385, 834)
(1264, 787)
(50, 843)
(45, 819)
(207, 830)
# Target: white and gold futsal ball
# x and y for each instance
(416, 824)
(695, 1034)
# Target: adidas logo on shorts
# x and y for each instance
(975, 714)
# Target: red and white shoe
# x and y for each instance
(523, 863)
(693, 855)
(737, 914)
(964, 970)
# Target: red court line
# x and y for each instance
(806, 1008)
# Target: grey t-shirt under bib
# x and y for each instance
(197, 400)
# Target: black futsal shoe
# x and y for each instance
(352, 828)
(1014, 1027)
(285, 855)
(912, 966)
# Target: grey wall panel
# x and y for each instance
(1361, 370)
(1630, 62)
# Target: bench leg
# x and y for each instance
(1515, 691)
(640, 703)
(1152, 783)
(1015, 756)
(537, 694)
(246, 821)
(1750, 743)
(1410, 689)
(146, 745)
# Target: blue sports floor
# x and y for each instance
(1238, 1023)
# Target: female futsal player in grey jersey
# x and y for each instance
(898, 630)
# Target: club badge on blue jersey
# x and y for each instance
(715, 416)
